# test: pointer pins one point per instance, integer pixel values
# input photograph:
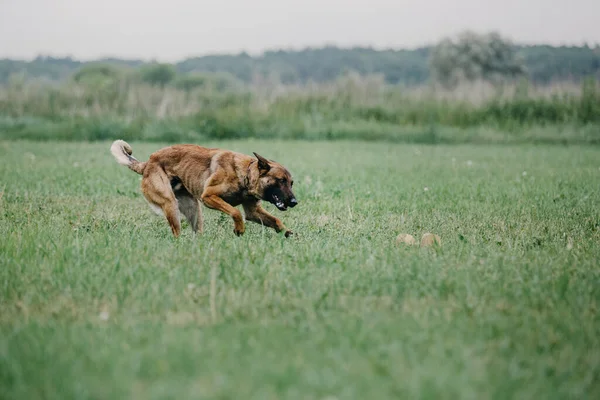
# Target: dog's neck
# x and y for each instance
(247, 178)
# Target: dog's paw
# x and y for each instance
(239, 231)
(288, 233)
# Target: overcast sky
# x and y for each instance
(176, 29)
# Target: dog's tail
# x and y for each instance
(121, 150)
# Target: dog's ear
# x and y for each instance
(263, 163)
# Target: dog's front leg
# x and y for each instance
(211, 199)
(255, 213)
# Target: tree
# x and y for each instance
(158, 74)
(207, 80)
(96, 74)
(473, 56)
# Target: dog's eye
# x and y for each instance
(283, 181)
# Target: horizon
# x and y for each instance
(88, 30)
(269, 50)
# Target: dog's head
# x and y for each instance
(274, 184)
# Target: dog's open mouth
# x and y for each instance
(278, 203)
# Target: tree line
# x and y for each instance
(487, 55)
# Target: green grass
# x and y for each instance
(173, 131)
(353, 108)
(98, 301)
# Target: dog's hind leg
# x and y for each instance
(190, 207)
(156, 188)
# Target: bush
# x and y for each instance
(157, 74)
(189, 82)
(97, 74)
(207, 80)
(360, 110)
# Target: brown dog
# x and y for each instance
(176, 178)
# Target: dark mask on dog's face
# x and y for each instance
(276, 184)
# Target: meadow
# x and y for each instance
(353, 107)
(98, 301)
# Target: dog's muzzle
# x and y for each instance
(281, 205)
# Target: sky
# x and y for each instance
(177, 29)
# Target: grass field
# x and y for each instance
(352, 108)
(98, 301)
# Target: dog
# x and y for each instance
(178, 178)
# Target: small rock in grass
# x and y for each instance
(104, 316)
(570, 243)
(405, 238)
(429, 239)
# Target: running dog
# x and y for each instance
(176, 179)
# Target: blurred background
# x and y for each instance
(429, 71)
